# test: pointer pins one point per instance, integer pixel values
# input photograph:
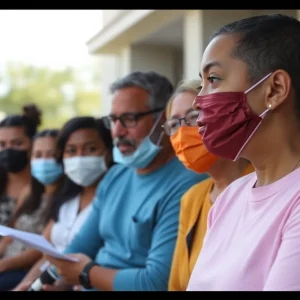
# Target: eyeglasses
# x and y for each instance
(128, 120)
(190, 119)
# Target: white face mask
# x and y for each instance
(84, 170)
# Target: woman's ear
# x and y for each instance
(280, 88)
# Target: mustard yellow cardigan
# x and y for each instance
(195, 205)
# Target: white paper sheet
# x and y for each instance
(35, 241)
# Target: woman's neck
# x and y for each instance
(279, 155)
(87, 195)
(22, 176)
(223, 173)
(50, 189)
(89, 189)
(17, 181)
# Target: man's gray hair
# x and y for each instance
(158, 86)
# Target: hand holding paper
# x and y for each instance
(69, 271)
(35, 241)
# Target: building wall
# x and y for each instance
(198, 27)
(110, 71)
(165, 60)
(175, 63)
(154, 58)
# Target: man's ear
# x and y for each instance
(279, 88)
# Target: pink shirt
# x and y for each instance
(253, 238)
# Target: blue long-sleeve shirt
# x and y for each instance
(133, 224)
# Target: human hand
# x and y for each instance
(59, 285)
(3, 248)
(77, 288)
(69, 270)
(23, 286)
(3, 265)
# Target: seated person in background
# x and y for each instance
(84, 148)
(127, 243)
(34, 210)
(16, 133)
(182, 128)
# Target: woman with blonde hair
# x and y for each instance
(182, 128)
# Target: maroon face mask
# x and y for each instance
(228, 122)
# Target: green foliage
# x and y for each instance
(60, 94)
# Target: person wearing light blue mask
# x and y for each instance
(144, 153)
(84, 148)
(128, 240)
(35, 209)
(46, 170)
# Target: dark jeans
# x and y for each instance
(10, 279)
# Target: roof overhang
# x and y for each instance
(129, 27)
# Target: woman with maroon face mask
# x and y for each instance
(16, 134)
(249, 108)
(182, 128)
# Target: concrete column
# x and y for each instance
(193, 45)
(111, 71)
(125, 61)
(199, 25)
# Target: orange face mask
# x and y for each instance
(190, 149)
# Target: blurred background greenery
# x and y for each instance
(60, 94)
